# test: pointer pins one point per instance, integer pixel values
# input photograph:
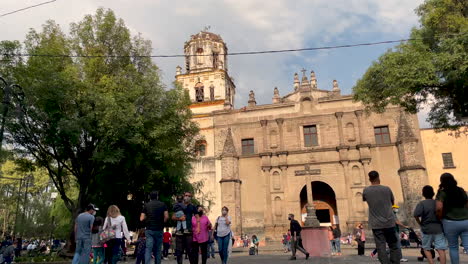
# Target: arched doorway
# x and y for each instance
(324, 202)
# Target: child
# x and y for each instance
(140, 247)
(179, 208)
(431, 227)
(98, 247)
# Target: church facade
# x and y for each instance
(312, 144)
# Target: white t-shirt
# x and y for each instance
(223, 229)
(120, 226)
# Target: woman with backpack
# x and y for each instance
(96, 244)
(115, 221)
(451, 207)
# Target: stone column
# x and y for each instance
(311, 218)
(268, 213)
(339, 117)
(358, 114)
(279, 122)
(264, 123)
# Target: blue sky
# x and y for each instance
(247, 26)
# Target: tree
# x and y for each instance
(101, 121)
(431, 69)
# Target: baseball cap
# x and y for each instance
(395, 206)
(91, 207)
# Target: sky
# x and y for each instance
(248, 25)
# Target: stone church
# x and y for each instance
(312, 144)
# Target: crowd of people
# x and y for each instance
(443, 221)
(194, 235)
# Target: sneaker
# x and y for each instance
(292, 258)
(403, 260)
(165, 258)
(307, 256)
(372, 255)
(178, 233)
(186, 231)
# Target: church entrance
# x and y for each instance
(324, 202)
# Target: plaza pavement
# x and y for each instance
(349, 256)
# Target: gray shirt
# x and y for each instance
(84, 222)
(380, 200)
(426, 210)
(223, 228)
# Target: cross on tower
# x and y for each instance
(303, 71)
(207, 28)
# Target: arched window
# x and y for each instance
(215, 60)
(199, 56)
(201, 148)
(212, 95)
(199, 93)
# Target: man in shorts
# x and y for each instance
(431, 227)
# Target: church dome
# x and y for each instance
(205, 35)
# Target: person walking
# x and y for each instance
(154, 215)
(117, 222)
(381, 218)
(184, 241)
(296, 241)
(140, 247)
(431, 227)
(211, 249)
(337, 239)
(255, 243)
(360, 237)
(452, 208)
(332, 240)
(96, 244)
(167, 238)
(200, 227)
(83, 225)
(223, 233)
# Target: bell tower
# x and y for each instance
(206, 76)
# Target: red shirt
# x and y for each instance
(167, 237)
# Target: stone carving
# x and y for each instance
(296, 81)
(252, 101)
(276, 91)
(335, 85)
(313, 80)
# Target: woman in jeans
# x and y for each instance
(360, 237)
(223, 232)
(200, 227)
(451, 207)
(117, 222)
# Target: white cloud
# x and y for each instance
(244, 25)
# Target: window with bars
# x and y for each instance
(448, 160)
(201, 148)
(310, 136)
(382, 135)
(248, 146)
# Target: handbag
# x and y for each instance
(215, 231)
(108, 233)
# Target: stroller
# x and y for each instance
(413, 237)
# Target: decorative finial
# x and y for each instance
(252, 101)
(207, 28)
(276, 96)
(276, 91)
(313, 80)
(178, 70)
(335, 86)
(303, 71)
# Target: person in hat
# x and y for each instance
(83, 226)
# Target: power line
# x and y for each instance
(195, 55)
(229, 54)
(25, 8)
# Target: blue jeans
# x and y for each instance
(211, 250)
(82, 251)
(223, 244)
(453, 230)
(337, 245)
(154, 241)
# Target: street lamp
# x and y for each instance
(17, 200)
(9, 90)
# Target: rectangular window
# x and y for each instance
(382, 135)
(248, 146)
(448, 160)
(310, 136)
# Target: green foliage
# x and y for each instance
(104, 124)
(432, 69)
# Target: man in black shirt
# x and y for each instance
(296, 241)
(154, 214)
(184, 241)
